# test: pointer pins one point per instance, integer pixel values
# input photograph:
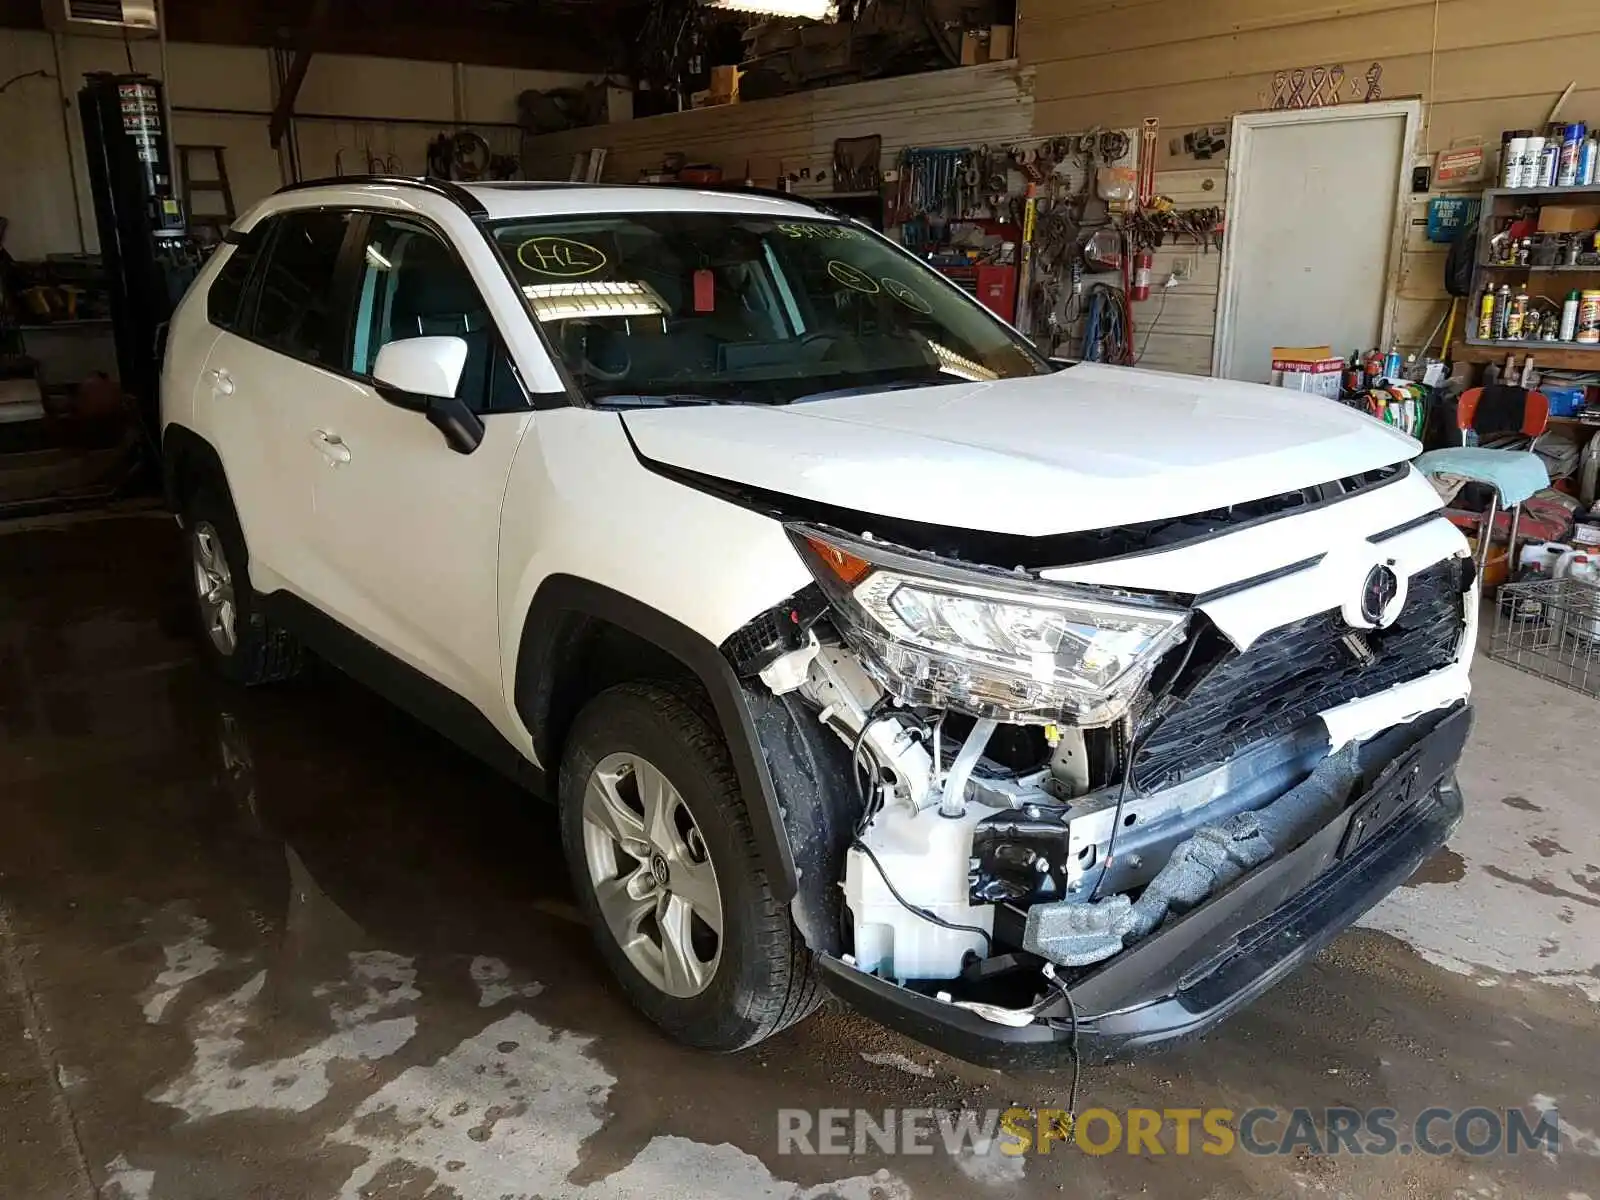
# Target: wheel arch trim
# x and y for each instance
(561, 597)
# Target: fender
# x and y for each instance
(558, 611)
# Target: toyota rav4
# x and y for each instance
(1033, 708)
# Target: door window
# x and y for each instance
(297, 312)
(413, 285)
(225, 300)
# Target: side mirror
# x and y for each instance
(421, 374)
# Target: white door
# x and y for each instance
(266, 381)
(406, 529)
(1314, 232)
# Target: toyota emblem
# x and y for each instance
(1378, 594)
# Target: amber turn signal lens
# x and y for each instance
(847, 567)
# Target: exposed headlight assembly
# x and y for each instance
(987, 644)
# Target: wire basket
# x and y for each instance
(1551, 628)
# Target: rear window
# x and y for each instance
(296, 313)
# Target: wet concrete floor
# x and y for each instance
(287, 943)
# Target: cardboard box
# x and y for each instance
(1312, 369)
(974, 47)
(725, 84)
(1569, 218)
(999, 42)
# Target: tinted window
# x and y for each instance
(228, 289)
(296, 312)
(690, 307)
(413, 285)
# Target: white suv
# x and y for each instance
(1035, 708)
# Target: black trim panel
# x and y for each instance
(1427, 518)
(559, 598)
(185, 452)
(435, 705)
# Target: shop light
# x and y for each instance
(804, 10)
(574, 301)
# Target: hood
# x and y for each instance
(1086, 448)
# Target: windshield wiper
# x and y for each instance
(645, 400)
(868, 389)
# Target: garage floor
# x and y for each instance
(288, 944)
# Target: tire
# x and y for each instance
(761, 980)
(253, 651)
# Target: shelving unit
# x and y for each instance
(1499, 204)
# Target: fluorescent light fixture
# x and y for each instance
(377, 259)
(571, 301)
(804, 10)
(951, 363)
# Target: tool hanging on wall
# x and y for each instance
(1149, 147)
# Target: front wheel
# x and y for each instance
(663, 860)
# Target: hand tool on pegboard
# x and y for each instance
(1149, 135)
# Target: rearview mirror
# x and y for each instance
(421, 374)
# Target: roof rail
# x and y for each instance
(450, 190)
(742, 189)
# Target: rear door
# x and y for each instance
(410, 530)
(267, 381)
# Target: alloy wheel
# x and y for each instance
(652, 875)
(213, 582)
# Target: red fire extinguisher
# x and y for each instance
(1143, 263)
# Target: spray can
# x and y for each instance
(1586, 160)
(1486, 315)
(1550, 156)
(1516, 154)
(1589, 318)
(1532, 161)
(1502, 311)
(1393, 364)
(1517, 317)
(1569, 317)
(1571, 154)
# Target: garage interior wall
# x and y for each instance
(41, 189)
(770, 138)
(1481, 66)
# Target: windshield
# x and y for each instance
(696, 308)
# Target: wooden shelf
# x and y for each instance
(1549, 356)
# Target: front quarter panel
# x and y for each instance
(580, 503)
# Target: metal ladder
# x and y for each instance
(214, 186)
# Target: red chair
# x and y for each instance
(1514, 475)
(1535, 413)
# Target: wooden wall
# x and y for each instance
(959, 107)
(1481, 66)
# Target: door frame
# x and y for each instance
(1244, 126)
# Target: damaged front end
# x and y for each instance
(1029, 813)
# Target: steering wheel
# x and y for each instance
(573, 338)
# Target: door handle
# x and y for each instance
(221, 382)
(331, 446)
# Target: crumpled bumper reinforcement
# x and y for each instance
(1201, 968)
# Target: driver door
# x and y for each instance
(411, 526)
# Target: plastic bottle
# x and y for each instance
(1569, 317)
